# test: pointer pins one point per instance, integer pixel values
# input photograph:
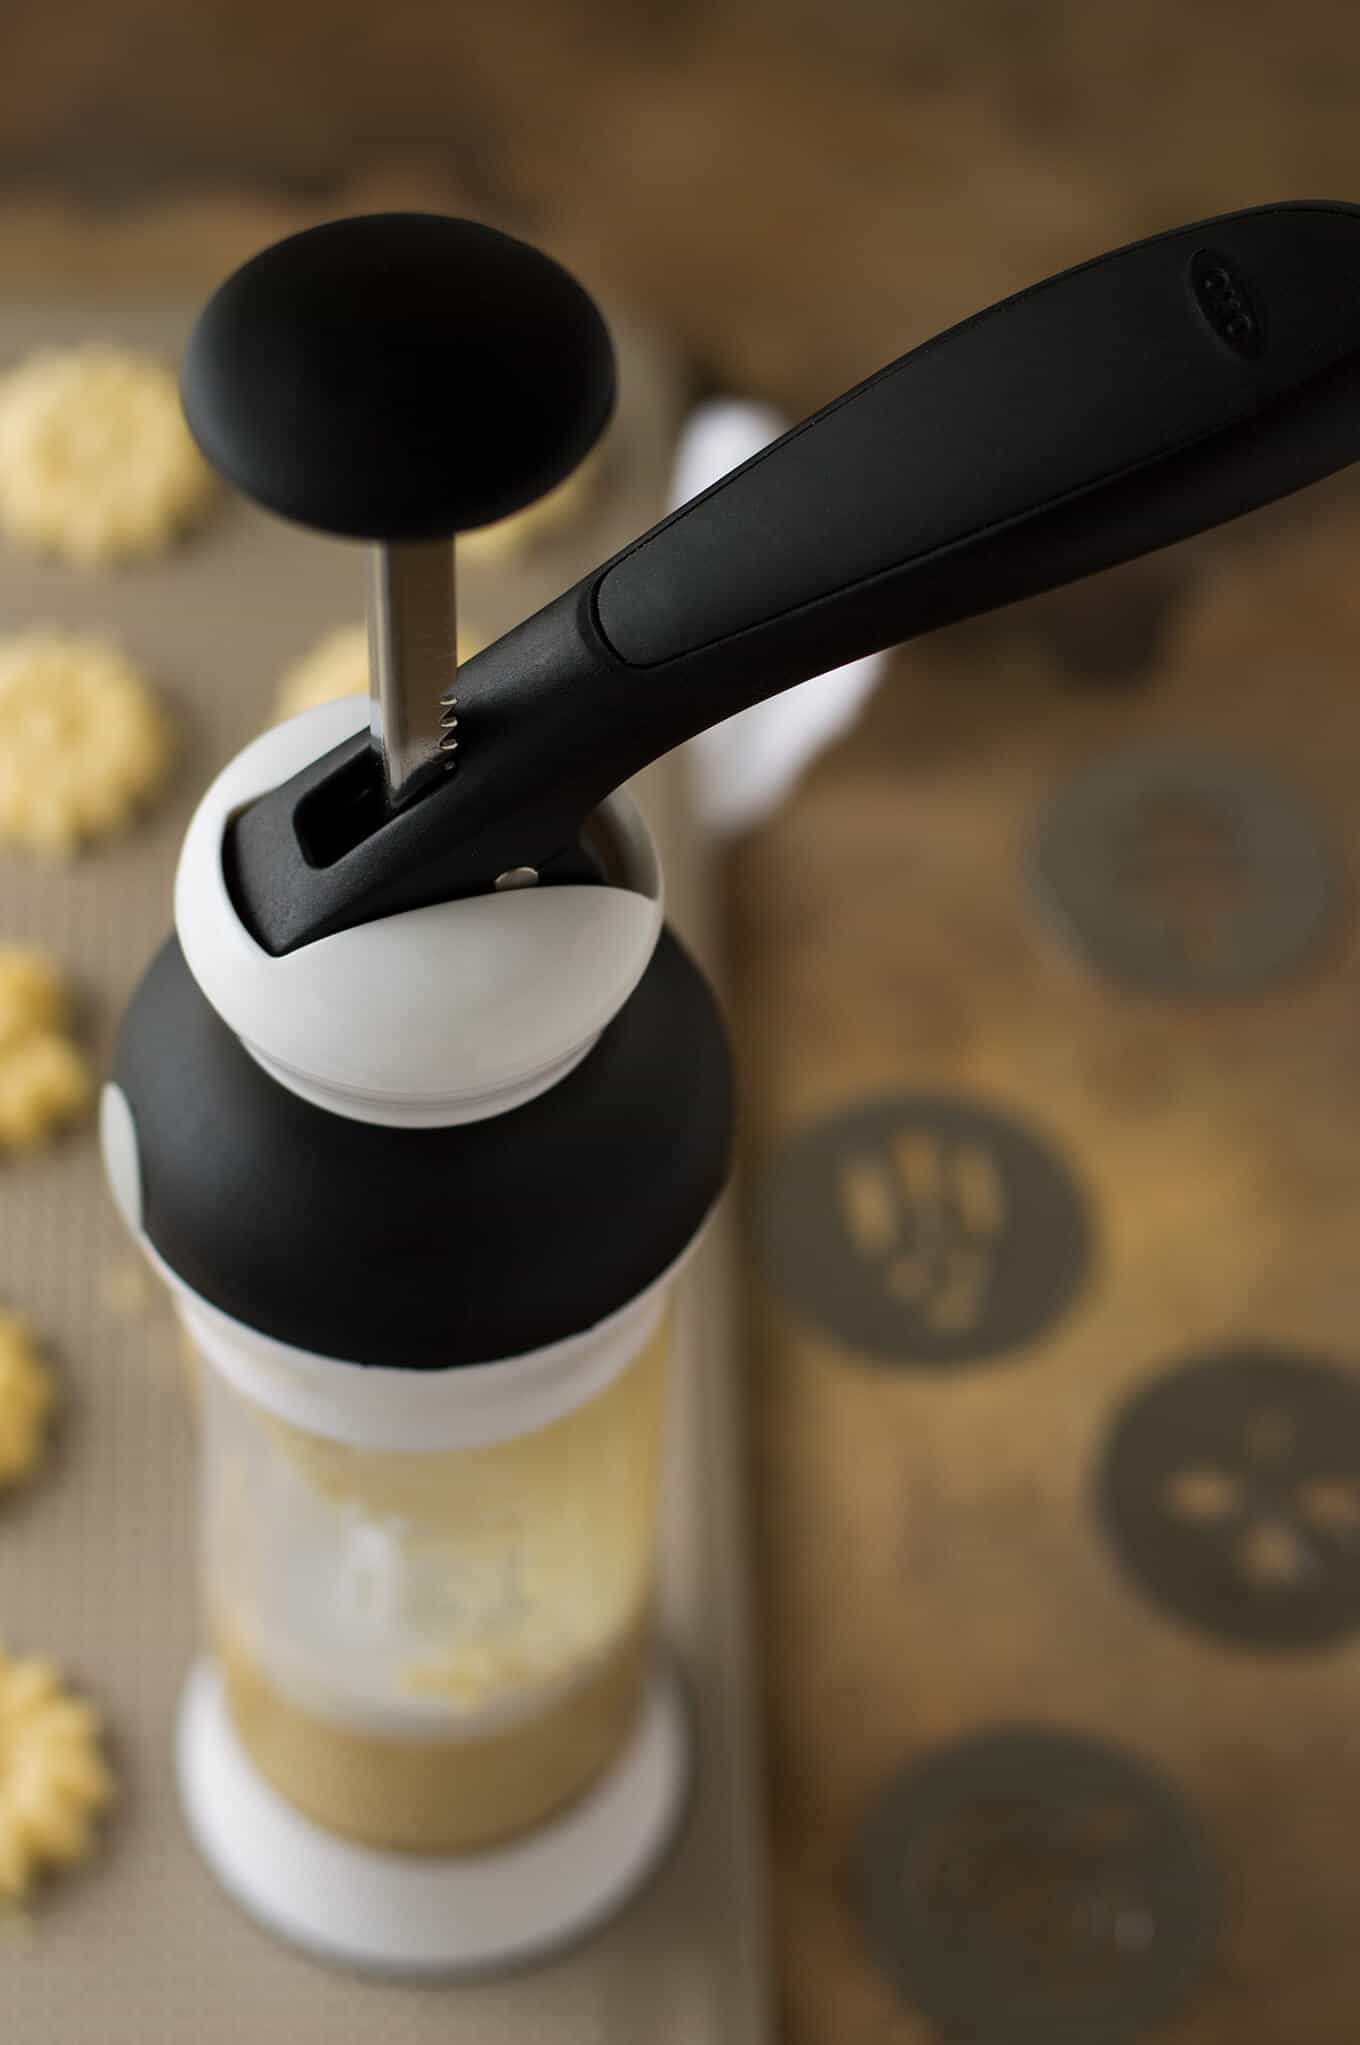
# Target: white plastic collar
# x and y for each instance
(422, 1411)
(433, 1016)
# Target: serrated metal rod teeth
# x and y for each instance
(448, 726)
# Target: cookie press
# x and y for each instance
(421, 1110)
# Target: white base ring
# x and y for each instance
(428, 1916)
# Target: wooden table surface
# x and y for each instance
(932, 1558)
(797, 191)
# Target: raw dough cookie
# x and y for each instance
(539, 521)
(27, 1395)
(83, 741)
(54, 1780)
(43, 1078)
(337, 666)
(96, 462)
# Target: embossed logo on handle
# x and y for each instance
(1225, 298)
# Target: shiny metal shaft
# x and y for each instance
(412, 660)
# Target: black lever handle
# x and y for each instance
(1111, 410)
(1089, 386)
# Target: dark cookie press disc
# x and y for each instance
(1183, 870)
(1026, 1888)
(1231, 1490)
(925, 1229)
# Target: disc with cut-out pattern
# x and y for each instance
(1024, 1887)
(1181, 869)
(1230, 1489)
(925, 1229)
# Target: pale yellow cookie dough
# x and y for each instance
(337, 666)
(54, 1780)
(96, 462)
(44, 1080)
(548, 516)
(537, 1677)
(27, 1396)
(83, 741)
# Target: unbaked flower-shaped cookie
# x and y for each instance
(44, 1080)
(54, 1780)
(27, 1396)
(96, 462)
(337, 666)
(83, 741)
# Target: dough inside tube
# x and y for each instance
(434, 1652)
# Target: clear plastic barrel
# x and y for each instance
(434, 1651)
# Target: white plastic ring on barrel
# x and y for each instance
(441, 1916)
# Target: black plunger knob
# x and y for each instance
(398, 376)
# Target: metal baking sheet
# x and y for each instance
(97, 1556)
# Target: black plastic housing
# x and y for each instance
(434, 1248)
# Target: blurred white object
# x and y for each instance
(744, 768)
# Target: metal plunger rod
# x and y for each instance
(412, 660)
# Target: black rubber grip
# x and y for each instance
(1056, 394)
